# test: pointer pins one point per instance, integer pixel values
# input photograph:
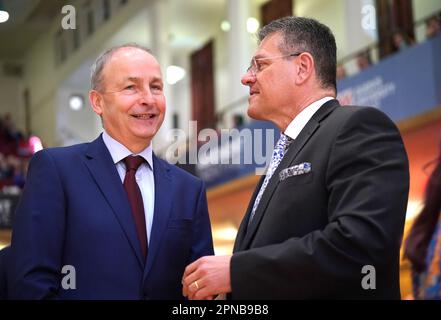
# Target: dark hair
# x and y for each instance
(100, 62)
(415, 248)
(305, 34)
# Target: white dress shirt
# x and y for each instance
(144, 174)
(300, 121)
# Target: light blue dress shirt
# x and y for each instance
(144, 174)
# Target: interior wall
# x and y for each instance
(73, 126)
(222, 79)
(344, 18)
(424, 8)
(11, 100)
(181, 93)
(331, 13)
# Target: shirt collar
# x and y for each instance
(300, 121)
(118, 151)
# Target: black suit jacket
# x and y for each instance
(313, 233)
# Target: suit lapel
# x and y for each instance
(163, 200)
(100, 164)
(293, 151)
(243, 225)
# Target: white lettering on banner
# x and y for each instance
(369, 93)
(224, 147)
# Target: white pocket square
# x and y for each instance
(296, 170)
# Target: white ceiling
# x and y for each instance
(192, 23)
(27, 20)
(195, 21)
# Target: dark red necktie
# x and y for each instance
(135, 199)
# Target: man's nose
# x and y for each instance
(146, 96)
(248, 78)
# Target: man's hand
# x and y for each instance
(207, 277)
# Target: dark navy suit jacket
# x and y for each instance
(74, 212)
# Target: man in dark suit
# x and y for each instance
(326, 221)
(108, 219)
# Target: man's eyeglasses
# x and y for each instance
(255, 66)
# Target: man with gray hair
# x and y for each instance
(326, 220)
(108, 219)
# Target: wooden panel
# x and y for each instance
(275, 9)
(202, 87)
(393, 15)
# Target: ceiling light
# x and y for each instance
(175, 74)
(225, 26)
(76, 102)
(252, 25)
(4, 16)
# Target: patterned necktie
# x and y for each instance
(135, 199)
(278, 153)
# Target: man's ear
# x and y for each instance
(96, 101)
(305, 67)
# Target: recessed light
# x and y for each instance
(252, 25)
(225, 26)
(4, 16)
(76, 102)
(175, 74)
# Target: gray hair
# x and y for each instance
(96, 71)
(307, 35)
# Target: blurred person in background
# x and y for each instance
(364, 60)
(401, 41)
(423, 244)
(433, 27)
(341, 72)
